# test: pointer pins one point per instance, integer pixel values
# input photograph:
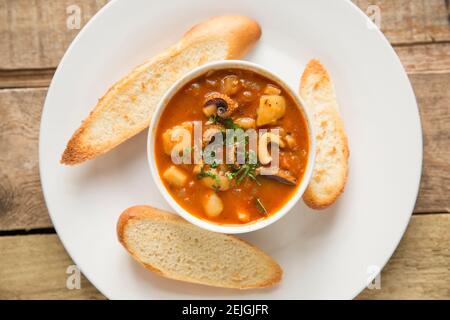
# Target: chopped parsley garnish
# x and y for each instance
(229, 175)
(214, 119)
(214, 164)
(250, 159)
(227, 123)
(244, 171)
(260, 206)
(203, 174)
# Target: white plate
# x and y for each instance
(332, 254)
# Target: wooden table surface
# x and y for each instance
(33, 38)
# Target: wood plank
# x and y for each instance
(34, 34)
(428, 58)
(420, 267)
(34, 266)
(411, 21)
(21, 201)
(433, 97)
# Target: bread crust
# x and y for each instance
(317, 89)
(239, 32)
(136, 213)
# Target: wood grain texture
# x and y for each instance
(421, 58)
(420, 267)
(428, 58)
(433, 97)
(21, 201)
(34, 267)
(411, 21)
(34, 34)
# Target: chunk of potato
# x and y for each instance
(243, 216)
(178, 136)
(271, 108)
(219, 183)
(210, 110)
(175, 176)
(272, 90)
(212, 204)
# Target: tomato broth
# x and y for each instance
(233, 193)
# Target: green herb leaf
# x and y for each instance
(204, 174)
(253, 177)
(214, 119)
(214, 164)
(260, 206)
(229, 124)
(229, 175)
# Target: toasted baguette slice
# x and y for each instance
(331, 165)
(127, 107)
(168, 245)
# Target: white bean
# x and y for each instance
(212, 204)
(245, 123)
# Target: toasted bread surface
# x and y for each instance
(332, 152)
(127, 107)
(172, 247)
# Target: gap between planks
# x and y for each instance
(26, 78)
(419, 43)
(27, 232)
(43, 231)
(417, 58)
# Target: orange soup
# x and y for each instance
(241, 189)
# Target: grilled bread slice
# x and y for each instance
(127, 107)
(172, 247)
(331, 165)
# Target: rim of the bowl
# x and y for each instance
(230, 228)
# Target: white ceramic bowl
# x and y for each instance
(229, 228)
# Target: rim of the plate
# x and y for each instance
(419, 173)
(88, 26)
